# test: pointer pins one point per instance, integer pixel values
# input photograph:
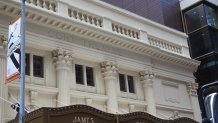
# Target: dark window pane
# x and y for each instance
(89, 76)
(211, 16)
(79, 74)
(195, 18)
(38, 66)
(203, 41)
(122, 82)
(131, 84)
(27, 64)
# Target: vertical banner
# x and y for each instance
(13, 54)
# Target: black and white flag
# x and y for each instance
(13, 54)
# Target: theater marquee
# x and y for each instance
(87, 114)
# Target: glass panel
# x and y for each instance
(79, 74)
(37, 66)
(131, 84)
(195, 18)
(203, 41)
(122, 82)
(211, 16)
(27, 65)
(89, 76)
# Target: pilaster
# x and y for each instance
(146, 78)
(192, 92)
(109, 72)
(3, 86)
(63, 63)
(33, 96)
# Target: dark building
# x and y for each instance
(201, 24)
(166, 12)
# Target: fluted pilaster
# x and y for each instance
(63, 63)
(146, 78)
(192, 91)
(109, 72)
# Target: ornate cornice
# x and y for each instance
(80, 28)
(192, 89)
(109, 69)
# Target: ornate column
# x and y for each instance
(109, 71)
(63, 63)
(192, 91)
(146, 79)
(3, 87)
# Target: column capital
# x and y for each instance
(109, 69)
(146, 77)
(61, 58)
(4, 40)
(192, 88)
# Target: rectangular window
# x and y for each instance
(27, 64)
(131, 84)
(38, 66)
(89, 76)
(79, 74)
(122, 82)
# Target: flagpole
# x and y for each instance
(22, 65)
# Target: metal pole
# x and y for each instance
(22, 65)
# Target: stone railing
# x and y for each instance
(47, 4)
(124, 30)
(110, 24)
(85, 17)
(164, 45)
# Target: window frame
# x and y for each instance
(84, 68)
(31, 65)
(127, 83)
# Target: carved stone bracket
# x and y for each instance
(174, 115)
(61, 58)
(146, 77)
(33, 96)
(109, 69)
(192, 89)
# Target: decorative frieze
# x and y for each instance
(109, 69)
(192, 89)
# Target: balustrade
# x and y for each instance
(125, 31)
(49, 5)
(165, 45)
(85, 17)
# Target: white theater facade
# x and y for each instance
(89, 52)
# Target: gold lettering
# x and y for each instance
(84, 119)
(78, 119)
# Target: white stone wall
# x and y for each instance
(161, 74)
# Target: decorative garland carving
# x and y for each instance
(192, 88)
